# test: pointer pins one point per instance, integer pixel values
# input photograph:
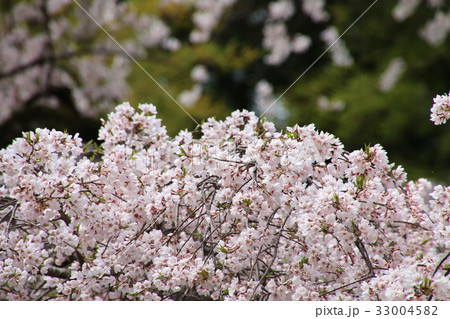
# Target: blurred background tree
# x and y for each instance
(374, 85)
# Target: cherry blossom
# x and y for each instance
(404, 9)
(315, 9)
(339, 53)
(264, 102)
(435, 30)
(324, 103)
(391, 75)
(233, 211)
(281, 10)
(54, 53)
(440, 111)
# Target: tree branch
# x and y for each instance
(274, 254)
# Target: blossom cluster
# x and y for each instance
(440, 111)
(404, 9)
(339, 53)
(206, 16)
(324, 103)
(437, 29)
(199, 76)
(232, 211)
(391, 75)
(48, 46)
(280, 45)
(265, 102)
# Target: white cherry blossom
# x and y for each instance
(440, 111)
(242, 212)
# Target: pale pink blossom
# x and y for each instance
(440, 111)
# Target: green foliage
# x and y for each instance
(302, 262)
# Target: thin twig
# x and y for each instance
(346, 285)
(440, 264)
(412, 224)
(252, 163)
(274, 254)
(371, 274)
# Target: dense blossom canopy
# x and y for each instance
(232, 211)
